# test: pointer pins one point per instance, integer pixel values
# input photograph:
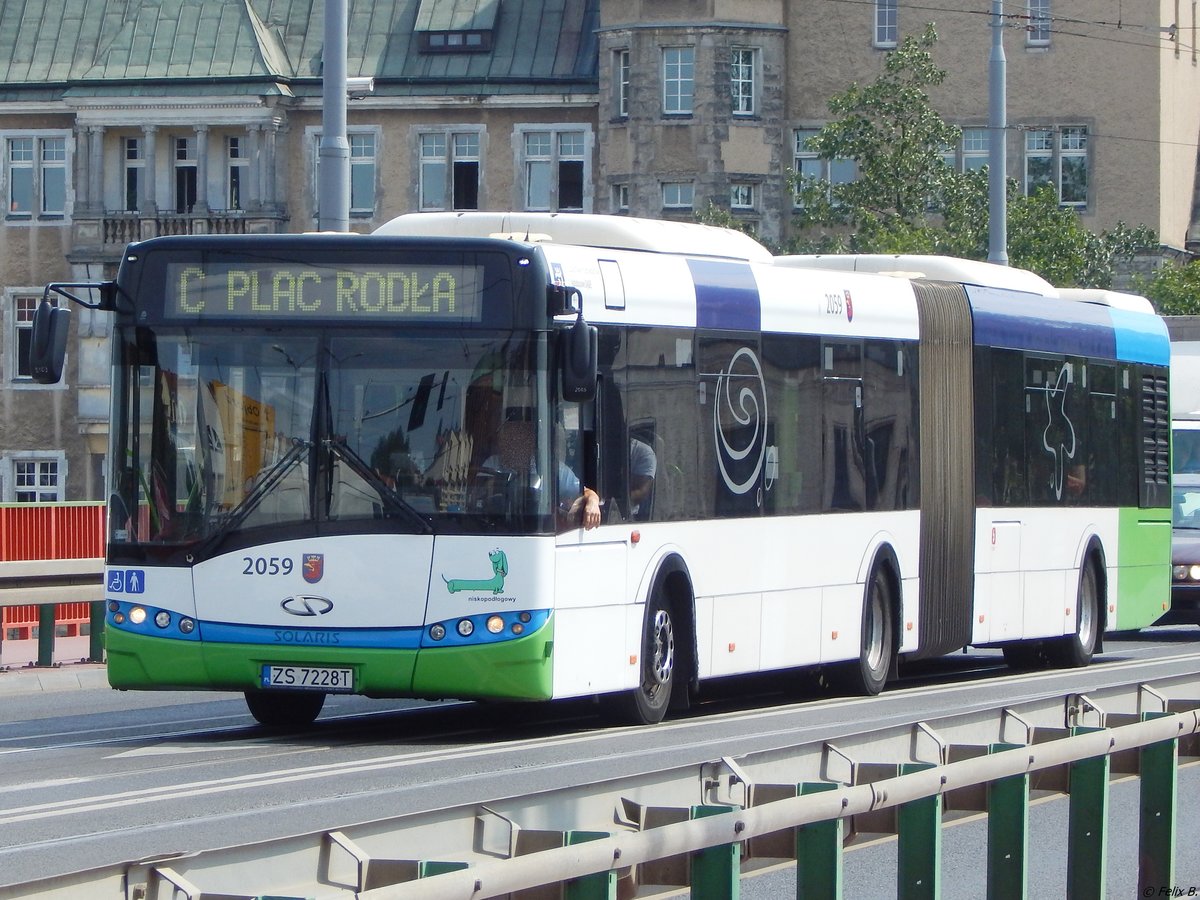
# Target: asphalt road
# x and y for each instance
(90, 776)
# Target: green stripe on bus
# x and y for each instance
(518, 669)
(1144, 557)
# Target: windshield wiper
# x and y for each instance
(338, 447)
(268, 481)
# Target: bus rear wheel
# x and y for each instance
(647, 703)
(285, 709)
(1076, 650)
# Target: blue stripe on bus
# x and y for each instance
(726, 295)
(1028, 322)
(1141, 338)
(277, 636)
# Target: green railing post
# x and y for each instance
(602, 885)
(46, 634)
(1087, 837)
(1008, 834)
(96, 631)
(717, 871)
(919, 844)
(819, 852)
(1159, 768)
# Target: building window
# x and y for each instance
(1037, 31)
(679, 79)
(972, 153)
(678, 194)
(238, 162)
(185, 175)
(363, 151)
(741, 195)
(886, 30)
(449, 167)
(36, 481)
(362, 172)
(476, 41)
(37, 176)
(1058, 157)
(621, 83)
(134, 164)
(620, 197)
(555, 170)
(742, 81)
(807, 164)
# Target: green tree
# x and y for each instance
(906, 199)
(1174, 290)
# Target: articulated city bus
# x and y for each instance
(532, 457)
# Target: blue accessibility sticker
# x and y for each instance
(126, 581)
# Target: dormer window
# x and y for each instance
(456, 41)
(456, 26)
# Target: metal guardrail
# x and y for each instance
(740, 814)
(45, 583)
(31, 582)
(814, 819)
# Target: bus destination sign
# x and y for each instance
(409, 292)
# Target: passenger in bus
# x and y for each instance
(642, 467)
(577, 503)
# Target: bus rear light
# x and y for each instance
(495, 624)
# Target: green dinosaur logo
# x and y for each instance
(495, 584)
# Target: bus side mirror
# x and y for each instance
(561, 299)
(48, 343)
(578, 348)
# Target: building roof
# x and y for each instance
(92, 45)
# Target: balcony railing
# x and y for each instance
(102, 236)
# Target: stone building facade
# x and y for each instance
(122, 120)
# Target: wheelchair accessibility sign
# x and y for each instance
(126, 581)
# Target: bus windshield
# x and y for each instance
(226, 432)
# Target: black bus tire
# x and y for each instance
(869, 673)
(285, 709)
(1074, 651)
(647, 703)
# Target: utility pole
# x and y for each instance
(333, 167)
(997, 138)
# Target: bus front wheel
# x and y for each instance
(647, 703)
(869, 673)
(285, 709)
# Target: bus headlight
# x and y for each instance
(186, 625)
(137, 615)
(466, 627)
(1194, 572)
(162, 618)
(437, 632)
(495, 624)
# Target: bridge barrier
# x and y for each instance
(51, 582)
(704, 847)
